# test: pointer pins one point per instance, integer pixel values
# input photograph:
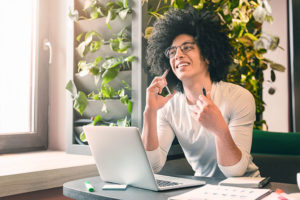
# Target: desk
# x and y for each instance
(76, 190)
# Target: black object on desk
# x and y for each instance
(77, 190)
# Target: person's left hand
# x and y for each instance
(209, 115)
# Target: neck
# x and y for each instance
(193, 89)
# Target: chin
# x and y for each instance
(182, 77)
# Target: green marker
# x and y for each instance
(88, 186)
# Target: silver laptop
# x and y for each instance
(121, 158)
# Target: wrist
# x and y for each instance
(149, 111)
(223, 133)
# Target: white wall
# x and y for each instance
(277, 106)
(276, 112)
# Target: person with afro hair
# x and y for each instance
(189, 52)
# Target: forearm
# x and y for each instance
(149, 135)
(228, 153)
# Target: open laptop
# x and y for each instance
(121, 158)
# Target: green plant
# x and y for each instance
(244, 19)
(109, 70)
(93, 10)
(80, 99)
(103, 69)
(92, 41)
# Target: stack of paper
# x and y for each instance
(213, 192)
(252, 182)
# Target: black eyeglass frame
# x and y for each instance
(166, 52)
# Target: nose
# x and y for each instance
(179, 53)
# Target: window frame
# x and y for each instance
(38, 139)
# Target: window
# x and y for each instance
(24, 76)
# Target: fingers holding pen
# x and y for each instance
(155, 88)
(158, 83)
(202, 107)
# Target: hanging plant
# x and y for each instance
(108, 71)
(92, 41)
(93, 9)
(122, 42)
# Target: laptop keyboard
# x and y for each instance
(162, 183)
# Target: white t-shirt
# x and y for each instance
(237, 106)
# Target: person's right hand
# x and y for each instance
(154, 100)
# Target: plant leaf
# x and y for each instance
(94, 15)
(71, 88)
(89, 37)
(112, 62)
(78, 38)
(109, 75)
(94, 70)
(110, 16)
(104, 108)
(125, 3)
(245, 40)
(95, 45)
(148, 32)
(114, 44)
(83, 137)
(277, 67)
(126, 85)
(97, 60)
(97, 119)
(129, 59)
(130, 107)
(123, 13)
(122, 122)
(80, 102)
(81, 48)
(273, 76)
(251, 36)
(124, 46)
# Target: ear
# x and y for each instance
(206, 61)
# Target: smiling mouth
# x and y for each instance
(182, 65)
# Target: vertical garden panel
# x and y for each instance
(84, 78)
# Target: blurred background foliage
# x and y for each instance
(243, 19)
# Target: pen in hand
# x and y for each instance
(203, 91)
(164, 76)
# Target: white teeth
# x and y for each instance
(182, 65)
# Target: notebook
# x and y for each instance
(252, 182)
(121, 158)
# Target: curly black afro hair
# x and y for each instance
(209, 34)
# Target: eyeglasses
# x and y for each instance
(185, 47)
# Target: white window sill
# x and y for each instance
(32, 171)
